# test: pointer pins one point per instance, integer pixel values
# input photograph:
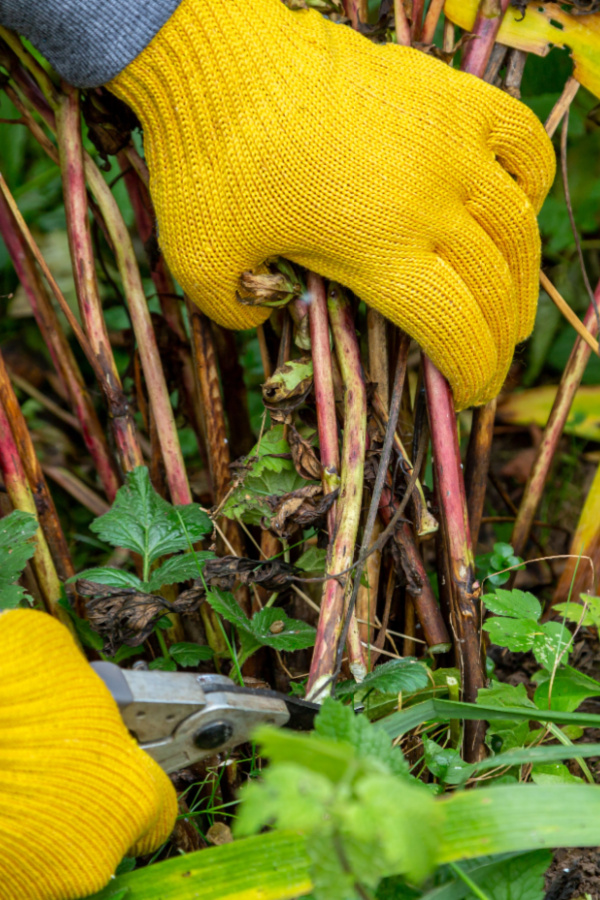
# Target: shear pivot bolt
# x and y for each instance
(213, 736)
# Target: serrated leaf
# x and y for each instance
(405, 675)
(16, 547)
(295, 634)
(573, 612)
(517, 634)
(185, 567)
(226, 605)
(112, 577)
(187, 653)
(518, 604)
(269, 475)
(338, 722)
(141, 521)
(551, 644)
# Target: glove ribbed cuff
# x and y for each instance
(87, 41)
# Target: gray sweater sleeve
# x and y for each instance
(87, 41)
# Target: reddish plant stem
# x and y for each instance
(356, 10)
(219, 457)
(416, 17)
(58, 346)
(146, 339)
(86, 284)
(418, 585)
(324, 393)
(403, 35)
(478, 463)
(569, 383)
(465, 617)
(44, 504)
(487, 23)
(336, 595)
(170, 303)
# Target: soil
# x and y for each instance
(574, 873)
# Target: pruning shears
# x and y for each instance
(179, 718)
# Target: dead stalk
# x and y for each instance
(59, 348)
(17, 488)
(569, 383)
(341, 551)
(44, 504)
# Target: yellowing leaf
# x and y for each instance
(545, 25)
(533, 407)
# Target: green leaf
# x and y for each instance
(445, 763)
(295, 634)
(551, 643)
(434, 710)
(226, 605)
(518, 604)
(177, 569)
(519, 878)
(141, 521)
(339, 723)
(276, 864)
(187, 653)
(517, 634)
(573, 611)
(163, 664)
(405, 675)
(553, 773)
(110, 576)
(269, 476)
(569, 689)
(16, 547)
(313, 560)
(508, 732)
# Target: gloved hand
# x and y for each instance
(271, 132)
(76, 792)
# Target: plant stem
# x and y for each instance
(68, 131)
(487, 23)
(144, 332)
(324, 392)
(341, 552)
(44, 504)
(464, 606)
(569, 383)
(59, 348)
(478, 463)
(17, 488)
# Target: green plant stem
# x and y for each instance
(468, 881)
(559, 734)
(162, 643)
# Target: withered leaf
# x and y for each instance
(273, 575)
(127, 616)
(300, 508)
(305, 459)
(289, 385)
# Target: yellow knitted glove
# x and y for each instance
(271, 132)
(76, 792)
